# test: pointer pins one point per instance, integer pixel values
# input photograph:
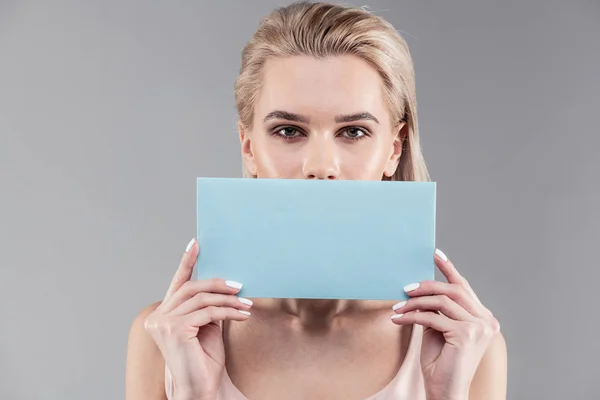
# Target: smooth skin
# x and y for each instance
(316, 119)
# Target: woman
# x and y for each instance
(324, 92)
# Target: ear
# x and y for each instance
(396, 151)
(246, 147)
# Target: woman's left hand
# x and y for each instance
(457, 330)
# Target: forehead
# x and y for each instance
(335, 85)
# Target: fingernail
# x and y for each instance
(189, 246)
(245, 301)
(399, 305)
(234, 284)
(441, 254)
(411, 287)
(244, 312)
(396, 316)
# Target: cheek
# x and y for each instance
(364, 162)
(276, 160)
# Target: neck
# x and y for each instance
(307, 309)
(309, 314)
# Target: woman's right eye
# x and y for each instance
(288, 132)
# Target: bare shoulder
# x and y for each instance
(145, 368)
(490, 380)
(140, 319)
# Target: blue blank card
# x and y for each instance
(316, 239)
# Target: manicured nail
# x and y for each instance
(399, 305)
(234, 284)
(396, 316)
(244, 312)
(441, 254)
(411, 287)
(245, 301)
(190, 244)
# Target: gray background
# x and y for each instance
(110, 109)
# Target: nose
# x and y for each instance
(321, 160)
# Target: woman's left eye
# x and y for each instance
(354, 133)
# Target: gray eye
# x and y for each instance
(354, 133)
(288, 132)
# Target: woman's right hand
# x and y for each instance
(186, 328)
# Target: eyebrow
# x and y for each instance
(278, 114)
(355, 117)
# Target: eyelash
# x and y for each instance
(275, 133)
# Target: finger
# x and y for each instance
(452, 275)
(429, 319)
(191, 288)
(215, 314)
(184, 271)
(205, 299)
(454, 291)
(441, 303)
(447, 268)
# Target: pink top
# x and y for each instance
(407, 384)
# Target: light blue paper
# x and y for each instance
(316, 239)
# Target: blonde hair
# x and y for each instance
(323, 30)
